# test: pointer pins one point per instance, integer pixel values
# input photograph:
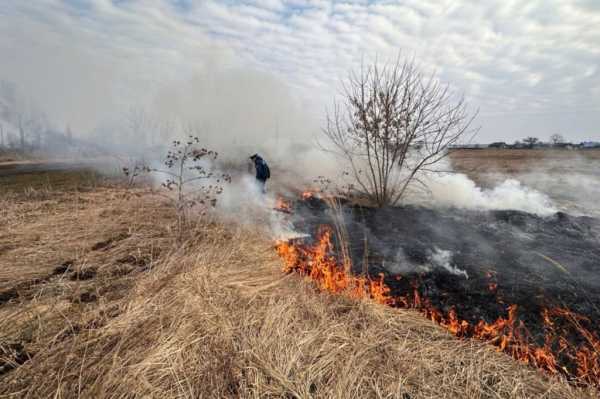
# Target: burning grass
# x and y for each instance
(570, 347)
(318, 263)
(212, 318)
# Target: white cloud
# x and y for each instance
(530, 67)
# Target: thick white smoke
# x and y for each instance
(446, 188)
(244, 202)
(457, 190)
(567, 181)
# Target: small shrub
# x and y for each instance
(190, 178)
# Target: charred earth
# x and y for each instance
(529, 285)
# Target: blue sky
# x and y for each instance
(531, 68)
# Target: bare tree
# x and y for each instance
(395, 122)
(137, 120)
(165, 129)
(530, 141)
(21, 122)
(22, 113)
(31, 123)
(69, 135)
(142, 125)
(556, 139)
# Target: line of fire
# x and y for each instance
(546, 318)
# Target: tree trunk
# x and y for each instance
(22, 135)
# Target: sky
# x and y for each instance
(531, 68)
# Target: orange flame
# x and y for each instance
(307, 195)
(281, 204)
(319, 264)
(579, 362)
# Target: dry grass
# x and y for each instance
(214, 318)
(514, 161)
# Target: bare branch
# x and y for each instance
(394, 123)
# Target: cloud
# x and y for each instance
(530, 68)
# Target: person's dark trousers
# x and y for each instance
(263, 185)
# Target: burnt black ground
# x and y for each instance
(536, 262)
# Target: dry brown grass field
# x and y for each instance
(98, 300)
(516, 161)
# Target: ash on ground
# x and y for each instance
(477, 262)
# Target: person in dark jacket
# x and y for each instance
(262, 171)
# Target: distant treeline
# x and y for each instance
(556, 141)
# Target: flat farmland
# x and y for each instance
(512, 161)
(571, 178)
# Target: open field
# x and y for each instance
(511, 161)
(16, 155)
(570, 178)
(97, 300)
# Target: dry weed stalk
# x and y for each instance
(190, 176)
